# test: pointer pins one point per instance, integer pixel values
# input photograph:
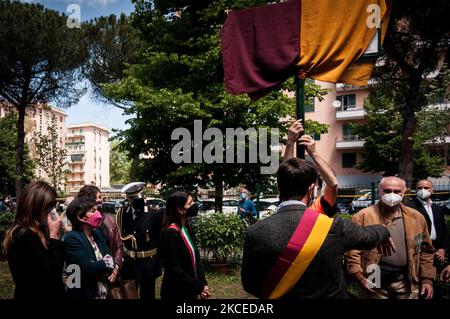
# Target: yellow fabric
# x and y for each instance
(305, 257)
(333, 35)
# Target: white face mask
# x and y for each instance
(423, 194)
(316, 191)
(391, 199)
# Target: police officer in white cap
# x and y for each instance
(140, 232)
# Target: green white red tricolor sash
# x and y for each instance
(188, 242)
(298, 254)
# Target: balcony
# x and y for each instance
(74, 152)
(75, 143)
(78, 171)
(340, 87)
(350, 113)
(75, 180)
(438, 141)
(76, 134)
(77, 161)
(349, 142)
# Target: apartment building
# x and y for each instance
(39, 119)
(341, 147)
(88, 156)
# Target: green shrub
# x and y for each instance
(220, 236)
(6, 220)
(346, 216)
(447, 222)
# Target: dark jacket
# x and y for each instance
(112, 236)
(179, 281)
(441, 240)
(36, 271)
(324, 278)
(146, 229)
(78, 251)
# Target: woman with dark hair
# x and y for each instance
(108, 227)
(183, 272)
(85, 246)
(35, 253)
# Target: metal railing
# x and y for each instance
(348, 138)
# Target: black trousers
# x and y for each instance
(144, 271)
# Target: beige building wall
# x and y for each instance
(340, 147)
(88, 152)
(37, 120)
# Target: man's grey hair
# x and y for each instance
(384, 180)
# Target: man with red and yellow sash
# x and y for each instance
(297, 252)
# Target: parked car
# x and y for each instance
(363, 201)
(207, 206)
(156, 203)
(342, 208)
(267, 206)
(110, 207)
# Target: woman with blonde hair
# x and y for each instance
(32, 245)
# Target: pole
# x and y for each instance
(300, 107)
(258, 196)
(372, 193)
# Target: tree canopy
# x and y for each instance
(179, 80)
(414, 67)
(40, 61)
(383, 136)
(8, 138)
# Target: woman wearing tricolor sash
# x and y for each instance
(184, 277)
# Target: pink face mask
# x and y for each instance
(94, 220)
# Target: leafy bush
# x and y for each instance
(447, 222)
(221, 236)
(6, 220)
(346, 216)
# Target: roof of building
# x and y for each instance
(87, 124)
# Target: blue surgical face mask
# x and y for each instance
(242, 196)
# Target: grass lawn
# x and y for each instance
(6, 283)
(222, 286)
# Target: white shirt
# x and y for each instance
(290, 202)
(427, 206)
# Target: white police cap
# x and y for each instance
(133, 188)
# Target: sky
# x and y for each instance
(87, 109)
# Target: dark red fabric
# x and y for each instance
(260, 47)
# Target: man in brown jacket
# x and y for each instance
(410, 268)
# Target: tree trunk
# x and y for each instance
(20, 146)
(134, 168)
(406, 150)
(413, 103)
(218, 194)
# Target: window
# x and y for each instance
(60, 118)
(81, 130)
(309, 106)
(347, 130)
(76, 158)
(348, 160)
(347, 101)
(73, 131)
